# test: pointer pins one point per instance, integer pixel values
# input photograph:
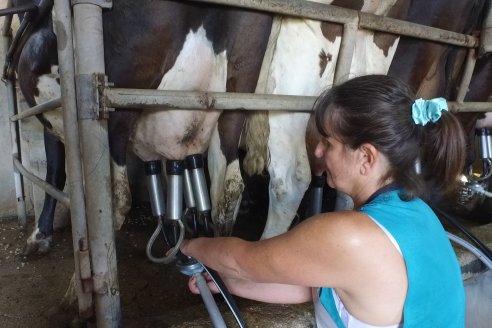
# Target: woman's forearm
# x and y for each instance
(269, 292)
(220, 254)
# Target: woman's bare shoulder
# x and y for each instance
(328, 245)
(343, 224)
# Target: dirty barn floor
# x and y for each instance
(152, 295)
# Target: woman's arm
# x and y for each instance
(263, 292)
(332, 249)
(343, 250)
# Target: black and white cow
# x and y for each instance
(170, 45)
(188, 46)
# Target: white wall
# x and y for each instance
(7, 189)
(8, 202)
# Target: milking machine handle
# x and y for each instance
(194, 268)
(171, 254)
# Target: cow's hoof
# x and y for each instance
(37, 243)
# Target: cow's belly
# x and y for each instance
(174, 134)
(305, 60)
(369, 58)
(295, 68)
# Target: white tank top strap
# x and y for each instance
(352, 322)
(323, 319)
(390, 236)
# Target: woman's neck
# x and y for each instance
(386, 188)
(367, 194)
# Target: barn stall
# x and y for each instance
(91, 214)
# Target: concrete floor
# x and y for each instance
(470, 263)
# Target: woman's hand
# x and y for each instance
(210, 283)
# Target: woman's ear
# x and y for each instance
(369, 157)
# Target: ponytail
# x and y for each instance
(443, 153)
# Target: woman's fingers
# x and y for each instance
(192, 286)
(210, 283)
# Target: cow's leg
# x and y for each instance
(289, 170)
(122, 199)
(223, 165)
(243, 71)
(41, 237)
(120, 126)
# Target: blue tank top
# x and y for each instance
(435, 296)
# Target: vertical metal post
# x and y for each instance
(14, 127)
(346, 53)
(14, 137)
(89, 55)
(342, 71)
(63, 29)
(467, 75)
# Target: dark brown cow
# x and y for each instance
(435, 69)
(304, 65)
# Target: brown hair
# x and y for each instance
(377, 109)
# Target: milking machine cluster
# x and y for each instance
(185, 180)
(475, 185)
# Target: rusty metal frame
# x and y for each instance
(352, 21)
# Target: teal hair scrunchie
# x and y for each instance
(425, 111)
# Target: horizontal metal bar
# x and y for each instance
(7, 23)
(296, 8)
(401, 27)
(165, 99)
(334, 14)
(55, 193)
(18, 9)
(469, 107)
(192, 100)
(38, 109)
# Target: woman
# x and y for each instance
(388, 262)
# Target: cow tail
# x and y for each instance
(257, 128)
(255, 141)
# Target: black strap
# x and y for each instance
(389, 187)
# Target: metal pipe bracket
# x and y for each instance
(90, 96)
(100, 285)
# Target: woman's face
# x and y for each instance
(340, 163)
